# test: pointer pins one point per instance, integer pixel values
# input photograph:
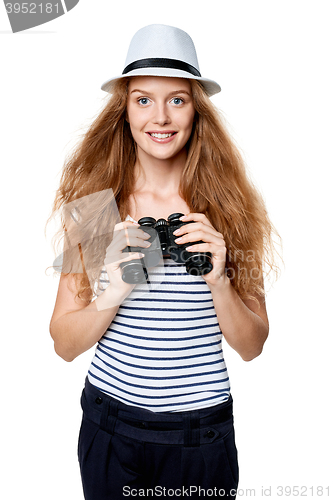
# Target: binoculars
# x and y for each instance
(162, 242)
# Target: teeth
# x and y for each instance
(161, 136)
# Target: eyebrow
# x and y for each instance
(182, 91)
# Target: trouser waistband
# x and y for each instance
(190, 428)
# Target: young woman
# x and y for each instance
(157, 407)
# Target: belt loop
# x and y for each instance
(195, 428)
(109, 415)
(191, 423)
(187, 429)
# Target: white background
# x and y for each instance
(273, 60)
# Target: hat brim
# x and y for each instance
(210, 86)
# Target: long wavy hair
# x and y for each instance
(97, 180)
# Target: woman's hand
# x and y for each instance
(214, 243)
(126, 233)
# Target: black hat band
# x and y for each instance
(161, 62)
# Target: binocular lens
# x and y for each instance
(199, 265)
(135, 273)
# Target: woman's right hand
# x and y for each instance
(126, 233)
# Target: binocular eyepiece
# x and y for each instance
(162, 242)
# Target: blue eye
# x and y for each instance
(178, 100)
(145, 99)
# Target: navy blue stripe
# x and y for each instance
(162, 348)
(218, 395)
(158, 367)
(160, 388)
(174, 358)
(195, 309)
(180, 301)
(145, 318)
(160, 329)
(160, 338)
(170, 377)
(172, 300)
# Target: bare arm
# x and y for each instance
(76, 325)
(244, 325)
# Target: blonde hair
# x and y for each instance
(214, 182)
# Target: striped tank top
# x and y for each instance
(163, 349)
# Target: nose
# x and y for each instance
(161, 116)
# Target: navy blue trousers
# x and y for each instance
(126, 451)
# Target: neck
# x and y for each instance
(159, 176)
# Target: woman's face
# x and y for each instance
(160, 112)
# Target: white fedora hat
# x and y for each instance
(160, 50)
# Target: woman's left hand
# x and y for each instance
(214, 243)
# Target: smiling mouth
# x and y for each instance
(161, 135)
